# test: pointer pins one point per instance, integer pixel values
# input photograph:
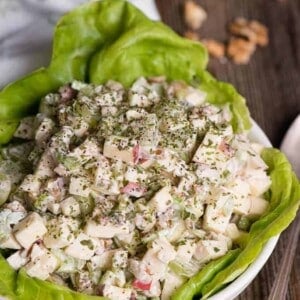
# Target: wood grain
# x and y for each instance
(270, 83)
(280, 285)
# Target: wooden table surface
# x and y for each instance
(270, 83)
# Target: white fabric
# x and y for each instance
(291, 145)
(148, 7)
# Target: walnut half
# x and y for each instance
(214, 48)
(253, 31)
(240, 50)
(194, 15)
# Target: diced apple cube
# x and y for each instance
(110, 98)
(5, 187)
(256, 162)
(139, 100)
(103, 261)
(106, 230)
(18, 259)
(241, 205)
(113, 278)
(198, 124)
(26, 129)
(54, 208)
(215, 220)
(172, 282)
(176, 231)
(9, 242)
(60, 232)
(80, 186)
(30, 229)
(258, 206)
(132, 174)
(171, 163)
(31, 184)
(112, 188)
(154, 291)
(212, 139)
(116, 293)
(103, 172)
(151, 264)
(194, 205)
(166, 251)
(8, 219)
(105, 183)
(134, 266)
(209, 151)
(149, 137)
(56, 187)
(126, 238)
(259, 182)
(145, 220)
(89, 149)
(171, 124)
(210, 157)
(186, 183)
(70, 207)
(109, 111)
(83, 247)
(217, 215)
(120, 148)
(190, 143)
(37, 250)
(233, 232)
(185, 251)
(44, 131)
(162, 200)
(16, 207)
(258, 148)
(240, 190)
(46, 165)
(80, 126)
(223, 238)
(42, 266)
(119, 259)
(135, 114)
(194, 97)
(207, 250)
(208, 173)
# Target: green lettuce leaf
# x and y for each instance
(113, 40)
(7, 279)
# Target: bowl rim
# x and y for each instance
(236, 287)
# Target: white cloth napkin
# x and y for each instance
(291, 145)
(26, 28)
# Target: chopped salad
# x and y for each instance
(127, 193)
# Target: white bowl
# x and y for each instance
(240, 284)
